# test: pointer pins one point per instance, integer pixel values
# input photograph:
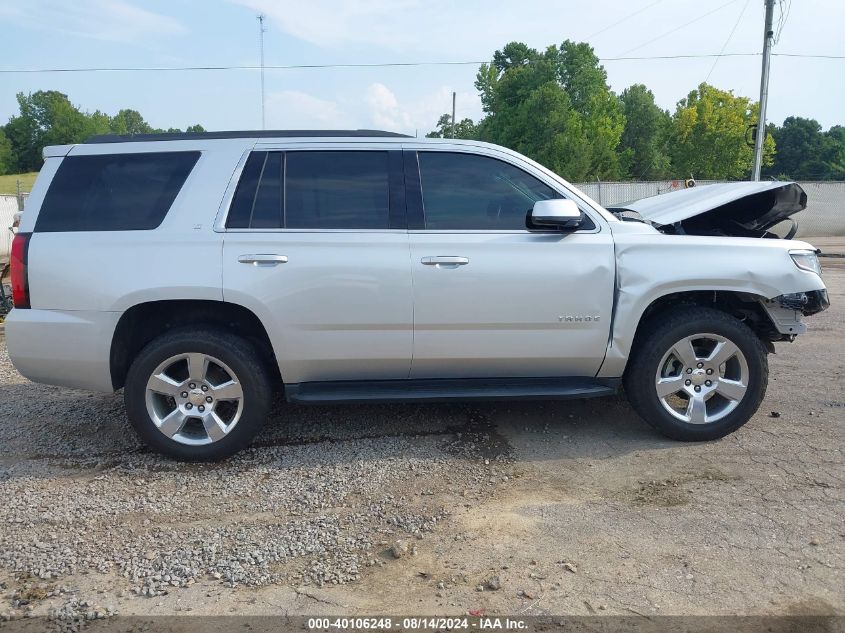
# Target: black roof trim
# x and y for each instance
(198, 136)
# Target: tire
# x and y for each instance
(226, 369)
(731, 390)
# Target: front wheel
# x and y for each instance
(697, 374)
(197, 394)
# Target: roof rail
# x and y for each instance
(182, 136)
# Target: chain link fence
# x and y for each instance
(824, 215)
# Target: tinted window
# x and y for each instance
(114, 192)
(465, 191)
(312, 190)
(337, 190)
(241, 209)
(267, 208)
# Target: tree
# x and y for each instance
(643, 148)
(800, 144)
(585, 81)
(807, 153)
(709, 130)
(834, 152)
(198, 128)
(554, 107)
(129, 122)
(5, 154)
(28, 131)
(465, 128)
(49, 118)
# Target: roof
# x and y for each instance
(182, 136)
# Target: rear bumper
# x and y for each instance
(65, 348)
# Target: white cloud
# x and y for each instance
(377, 107)
(384, 108)
(291, 109)
(428, 29)
(112, 20)
(339, 22)
(417, 113)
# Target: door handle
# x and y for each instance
(445, 260)
(263, 259)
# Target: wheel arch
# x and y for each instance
(746, 307)
(145, 321)
(626, 334)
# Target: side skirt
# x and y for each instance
(442, 390)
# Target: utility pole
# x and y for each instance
(261, 32)
(768, 34)
(453, 114)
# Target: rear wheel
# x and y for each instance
(197, 394)
(698, 374)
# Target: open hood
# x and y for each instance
(733, 208)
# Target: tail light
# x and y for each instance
(18, 269)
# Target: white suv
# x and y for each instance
(200, 272)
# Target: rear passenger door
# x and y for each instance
(316, 245)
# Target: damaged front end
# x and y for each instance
(740, 209)
(807, 303)
(785, 311)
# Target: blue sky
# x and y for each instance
(96, 33)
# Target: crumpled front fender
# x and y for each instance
(650, 265)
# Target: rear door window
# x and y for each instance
(313, 190)
(114, 192)
(337, 190)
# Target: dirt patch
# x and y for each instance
(478, 438)
(674, 491)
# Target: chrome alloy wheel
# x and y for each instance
(702, 378)
(194, 399)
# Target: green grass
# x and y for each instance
(8, 182)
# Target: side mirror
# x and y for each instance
(560, 214)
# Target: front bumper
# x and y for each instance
(807, 303)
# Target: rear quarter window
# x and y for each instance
(114, 192)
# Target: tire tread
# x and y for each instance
(229, 348)
(649, 348)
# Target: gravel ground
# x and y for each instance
(314, 503)
(532, 508)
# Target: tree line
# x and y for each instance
(47, 117)
(556, 107)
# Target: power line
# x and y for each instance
(659, 57)
(236, 67)
(727, 41)
(620, 21)
(784, 16)
(678, 28)
(118, 69)
(799, 55)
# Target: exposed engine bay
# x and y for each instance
(740, 209)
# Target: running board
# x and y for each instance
(442, 390)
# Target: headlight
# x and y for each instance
(807, 260)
